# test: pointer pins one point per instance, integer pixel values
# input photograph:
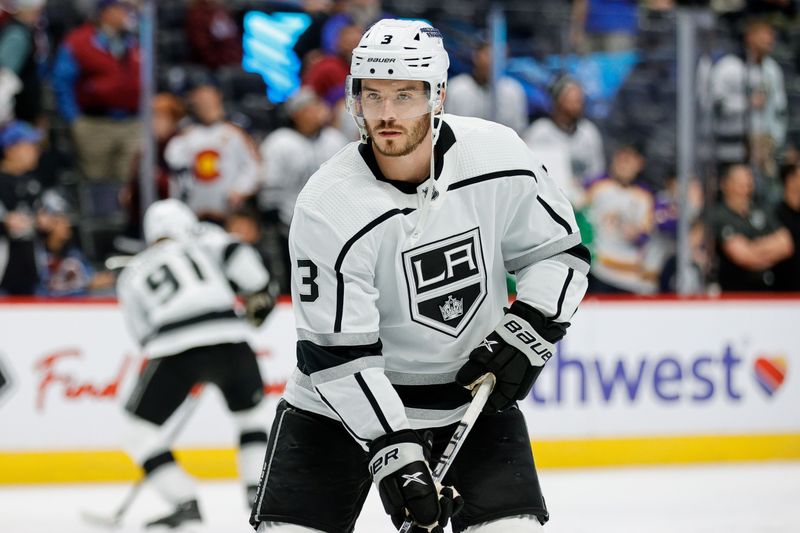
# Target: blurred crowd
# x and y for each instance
(71, 132)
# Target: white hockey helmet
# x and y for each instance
(168, 219)
(398, 50)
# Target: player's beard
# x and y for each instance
(412, 136)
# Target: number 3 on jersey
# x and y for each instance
(309, 290)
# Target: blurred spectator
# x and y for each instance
(96, 81)
(668, 207)
(19, 194)
(787, 8)
(788, 213)
(245, 225)
(749, 240)
(749, 101)
(9, 87)
(327, 76)
(168, 111)
(698, 264)
(213, 161)
(569, 144)
(621, 213)
(214, 38)
(284, 173)
(469, 94)
(361, 13)
(603, 25)
(309, 44)
(62, 267)
(18, 55)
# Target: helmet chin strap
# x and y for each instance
(432, 189)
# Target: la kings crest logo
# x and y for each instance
(446, 281)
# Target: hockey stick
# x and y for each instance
(114, 520)
(459, 435)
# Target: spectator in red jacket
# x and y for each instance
(96, 82)
(327, 76)
(214, 38)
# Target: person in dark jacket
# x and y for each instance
(19, 194)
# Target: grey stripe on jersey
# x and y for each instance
(572, 262)
(395, 378)
(441, 416)
(346, 369)
(543, 252)
(268, 464)
(337, 339)
(403, 378)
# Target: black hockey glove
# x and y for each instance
(260, 304)
(399, 467)
(515, 352)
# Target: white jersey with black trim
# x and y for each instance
(211, 162)
(177, 295)
(384, 319)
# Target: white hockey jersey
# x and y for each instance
(289, 158)
(212, 162)
(177, 295)
(384, 319)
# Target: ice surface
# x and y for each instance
(742, 498)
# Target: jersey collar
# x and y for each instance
(445, 141)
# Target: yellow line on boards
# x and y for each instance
(664, 450)
(111, 465)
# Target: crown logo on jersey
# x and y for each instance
(452, 308)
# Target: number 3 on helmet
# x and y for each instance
(398, 50)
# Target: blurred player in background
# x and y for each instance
(178, 300)
(214, 162)
(400, 246)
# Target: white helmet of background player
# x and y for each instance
(399, 50)
(168, 219)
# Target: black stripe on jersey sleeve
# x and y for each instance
(337, 324)
(555, 216)
(373, 402)
(230, 249)
(492, 176)
(312, 358)
(580, 252)
(332, 408)
(563, 294)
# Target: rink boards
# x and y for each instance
(634, 382)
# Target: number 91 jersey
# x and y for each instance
(177, 295)
(390, 296)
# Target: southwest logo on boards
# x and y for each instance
(770, 373)
(571, 378)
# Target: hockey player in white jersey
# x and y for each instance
(178, 302)
(400, 245)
